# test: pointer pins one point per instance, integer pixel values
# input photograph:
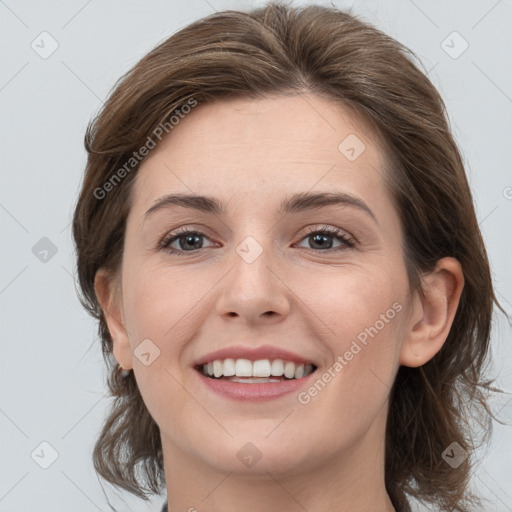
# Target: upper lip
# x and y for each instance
(253, 354)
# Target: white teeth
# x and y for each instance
(243, 368)
(229, 367)
(277, 368)
(217, 368)
(289, 370)
(262, 368)
(248, 380)
(299, 372)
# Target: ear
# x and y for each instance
(109, 297)
(432, 315)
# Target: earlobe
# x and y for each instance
(109, 298)
(433, 313)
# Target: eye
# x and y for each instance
(188, 241)
(321, 239)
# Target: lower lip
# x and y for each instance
(254, 392)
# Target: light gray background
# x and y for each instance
(52, 381)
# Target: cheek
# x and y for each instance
(356, 301)
(362, 313)
(365, 319)
(161, 305)
(160, 302)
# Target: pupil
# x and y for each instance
(189, 239)
(319, 238)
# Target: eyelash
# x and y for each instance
(341, 236)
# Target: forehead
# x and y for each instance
(267, 145)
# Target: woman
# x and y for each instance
(277, 237)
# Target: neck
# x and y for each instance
(351, 481)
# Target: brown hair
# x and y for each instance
(279, 50)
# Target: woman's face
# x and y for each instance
(258, 274)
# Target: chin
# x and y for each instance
(257, 455)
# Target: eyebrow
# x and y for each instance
(300, 202)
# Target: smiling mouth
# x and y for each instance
(255, 372)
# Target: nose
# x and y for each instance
(254, 291)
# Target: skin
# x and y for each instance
(251, 154)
